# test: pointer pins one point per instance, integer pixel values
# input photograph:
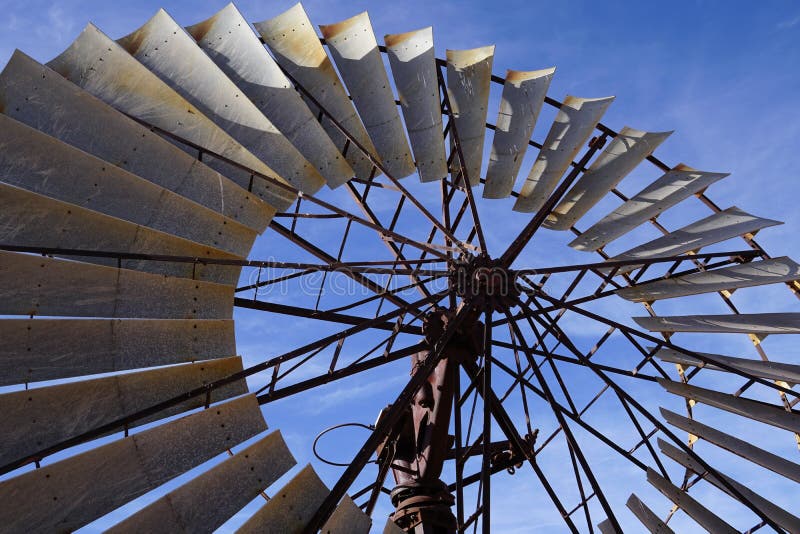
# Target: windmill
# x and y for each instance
(137, 175)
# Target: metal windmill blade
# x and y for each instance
(139, 178)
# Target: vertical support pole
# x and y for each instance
(459, 447)
(486, 468)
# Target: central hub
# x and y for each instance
(482, 276)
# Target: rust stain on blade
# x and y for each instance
(461, 59)
(133, 41)
(199, 30)
(329, 31)
(516, 77)
(395, 39)
(284, 35)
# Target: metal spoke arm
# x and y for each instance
(306, 313)
(658, 424)
(572, 442)
(519, 443)
(291, 189)
(375, 161)
(338, 374)
(610, 264)
(462, 167)
(519, 243)
(653, 339)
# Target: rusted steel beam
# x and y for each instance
(398, 254)
(658, 424)
(358, 267)
(516, 246)
(324, 256)
(393, 235)
(573, 416)
(507, 426)
(378, 164)
(486, 449)
(744, 254)
(573, 442)
(660, 342)
(320, 315)
(338, 374)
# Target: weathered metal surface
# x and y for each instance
(45, 349)
(37, 162)
(231, 44)
(165, 48)
(676, 185)
(67, 112)
(629, 148)
(413, 60)
(523, 96)
(38, 418)
(392, 528)
(469, 75)
(36, 285)
(755, 410)
(355, 50)
(204, 503)
(72, 492)
(745, 323)
(647, 517)
(742, 448)
(294, 43)
(569, 133)
(783, 518)
(30, 219)
(785, 372)
(704, 517)
(291, 508)
(756, 273)
(347, 519)
(715, 228)
(102, 67)
(606, 527)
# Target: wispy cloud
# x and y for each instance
(789, 23)
(60, 24)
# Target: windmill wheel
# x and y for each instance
(135, 178)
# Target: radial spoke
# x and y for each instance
(462, 167)
(663, 343)
(744, 254)
(320, 315)
(291, 189)
(398, 254)
(487, 421)
(338, 374)
(573, 443)
(324, 256)
(370, 156)
(655, 421)
(506, 425)
(573, 416)
(517, 246)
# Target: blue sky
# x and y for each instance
(723, 75)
